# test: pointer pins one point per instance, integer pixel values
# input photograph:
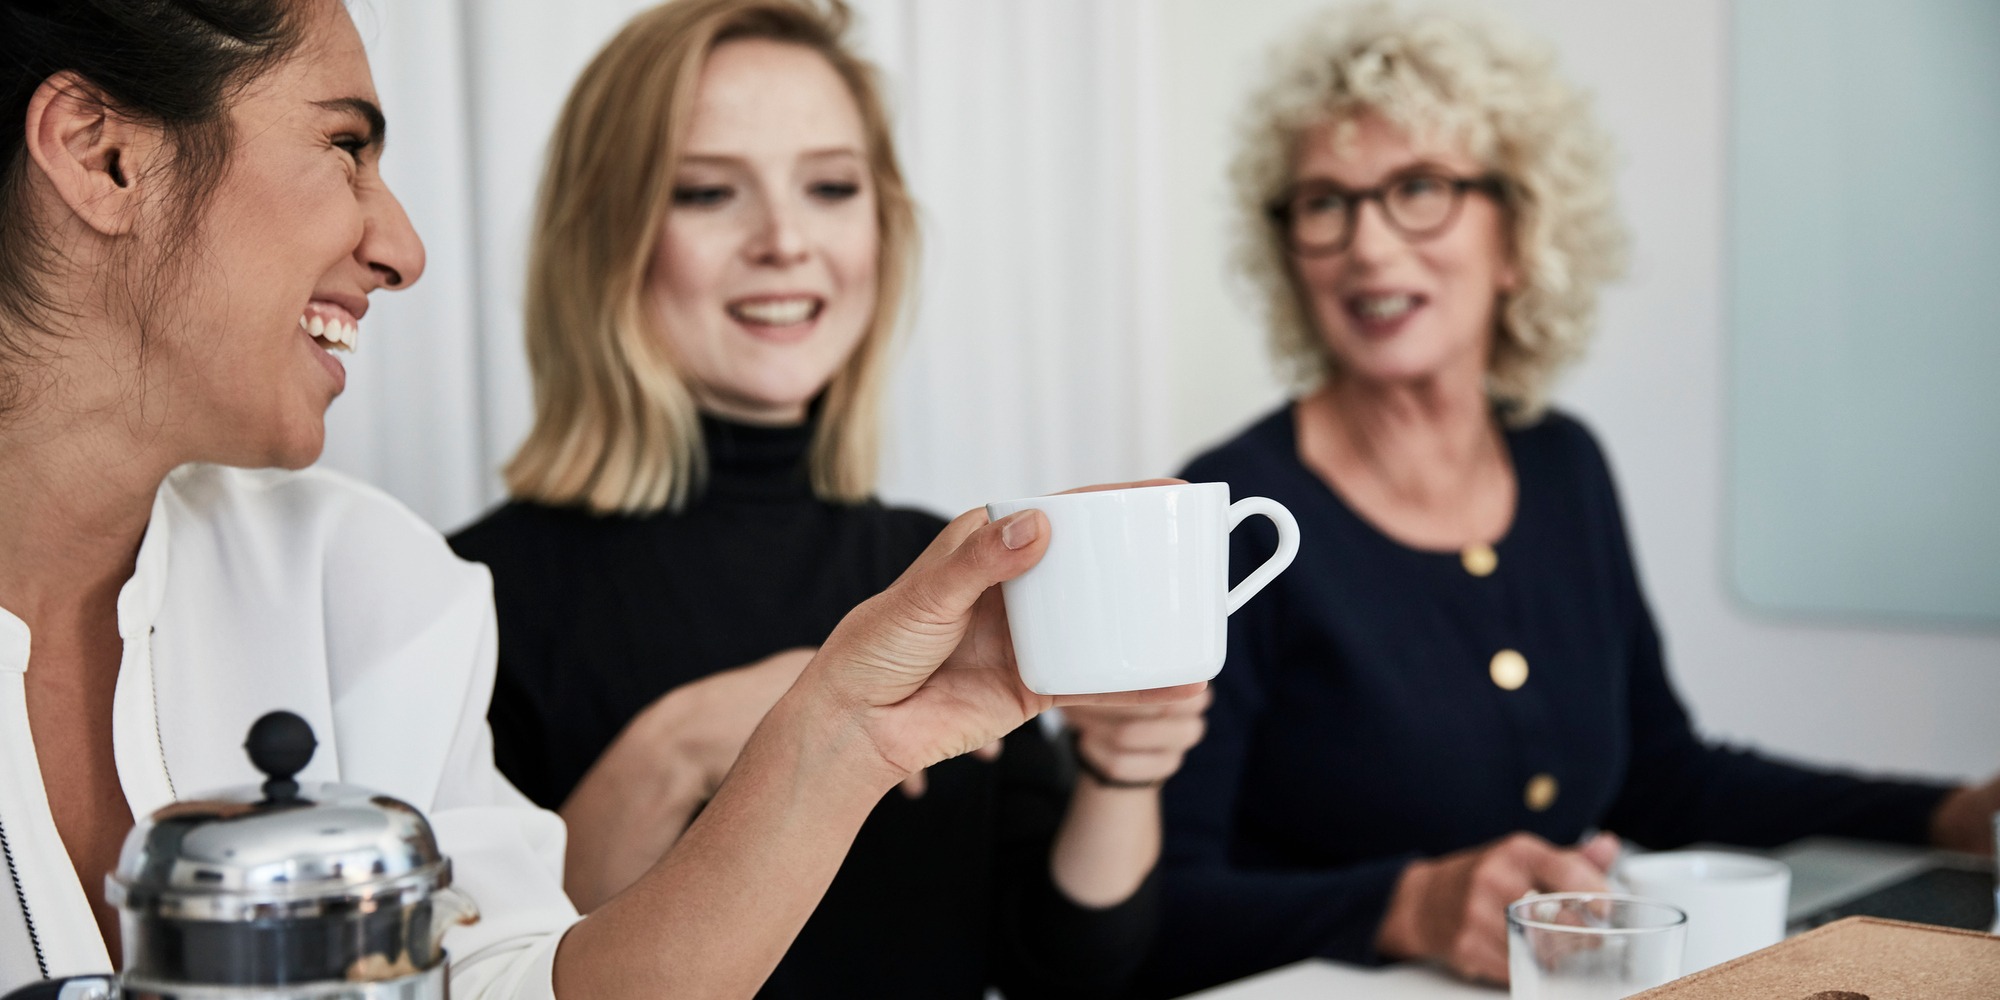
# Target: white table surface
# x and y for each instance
(1836, 866)
(1318, 979)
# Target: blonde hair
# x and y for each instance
(1452, 76)
(616, 428)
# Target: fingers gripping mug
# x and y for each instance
(1133, 592)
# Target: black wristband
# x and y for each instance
(1098, 777)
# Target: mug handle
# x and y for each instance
(1288, 547)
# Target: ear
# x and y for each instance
(96, 159)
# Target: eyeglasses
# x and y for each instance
(1317, 217)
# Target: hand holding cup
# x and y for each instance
(1133, 592)
(1453, 908)
(926, 670)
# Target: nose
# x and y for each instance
(390, 246)
(778, 240)
(1373, 239)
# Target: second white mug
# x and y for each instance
(1133, 592)
(1735, 902)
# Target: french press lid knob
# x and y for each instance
(281, 744)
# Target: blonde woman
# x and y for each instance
(1431, 713)
(722, 247)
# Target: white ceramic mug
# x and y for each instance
(1735, 902)
(1133, 592)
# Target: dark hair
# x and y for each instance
(171, 63)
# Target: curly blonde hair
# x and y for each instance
(1460, 77)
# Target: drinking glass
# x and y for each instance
(1591, 945)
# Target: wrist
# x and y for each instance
(1400, 935)
(1107, 844)
(832, 740)
(667, 752)
(1961, 822)
(1090, 774)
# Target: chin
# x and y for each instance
(1384, 366)
(1398, 361)
(295, 461)
(299, 446)
(1393, 372)
(790, 393)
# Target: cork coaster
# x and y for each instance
(1859, 958)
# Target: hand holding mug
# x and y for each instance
(926, 670)
(1133, 592)
(921, 672)
(1136, 746)
(1454, 908)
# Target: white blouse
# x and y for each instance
(259, 590)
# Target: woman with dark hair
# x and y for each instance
(711, 303)
(194, 222)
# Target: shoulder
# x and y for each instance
(902, 533)
(913, 523)
(309, 589)
(1562, 432)
(314, 543)
(521, 529)
(277, 514)
(1560, 447)
(1266, 446)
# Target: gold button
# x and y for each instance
(1479, 560)
(1509, 670)
(1541, 793)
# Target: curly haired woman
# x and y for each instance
(1459, 681)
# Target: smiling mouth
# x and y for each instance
(1383, 313)
(331, 327)
(787, 311)
(1383, 308)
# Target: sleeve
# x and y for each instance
(1047, 947)
(1222, 919)
(1679, 789)
(526, 605)
(411, 640)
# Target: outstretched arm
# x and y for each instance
(918, 674)
(645, 790)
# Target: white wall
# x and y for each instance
(1653, 387)
(1034, 358)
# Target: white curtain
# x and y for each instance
(1038, 355)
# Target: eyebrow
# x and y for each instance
(810, 154)
(366, 110)
(1400, 173)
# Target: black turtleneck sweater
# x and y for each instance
(940, 897)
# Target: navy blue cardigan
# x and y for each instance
(1360, 721)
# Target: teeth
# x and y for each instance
(1385, 306)
(775, 312)
(333, 334)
